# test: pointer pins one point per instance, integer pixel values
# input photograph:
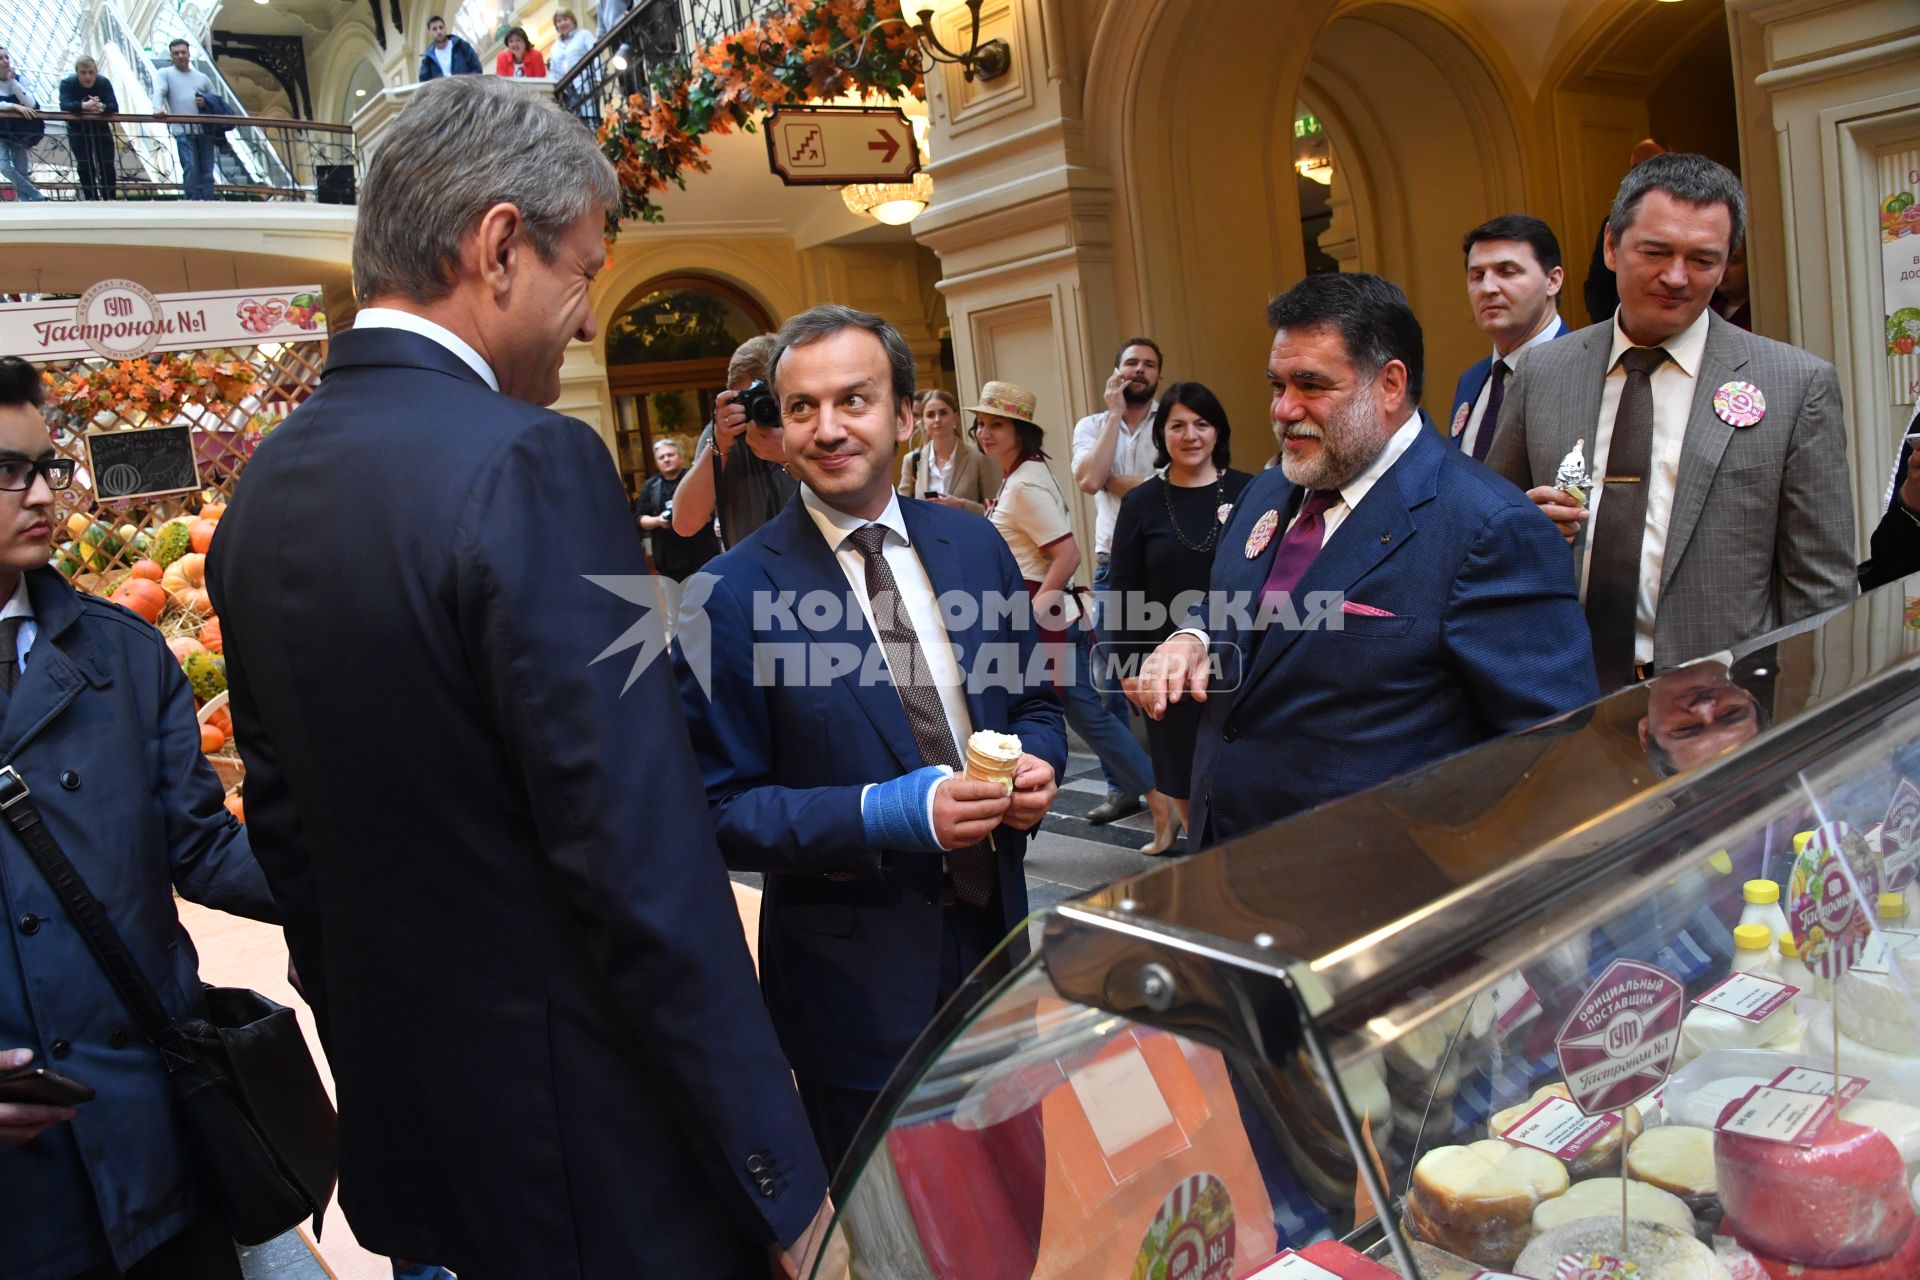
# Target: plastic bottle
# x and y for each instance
(1753, 951)
(1801, 839)
(1794, 971)
(1763, 908)
(1893, 913)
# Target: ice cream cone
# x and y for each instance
(993, 757)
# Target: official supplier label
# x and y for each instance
(1559, 1128)
(1780, 1115)
(1617, 1045)
(1748, 996)
(1880, 946)
(1808, 1080)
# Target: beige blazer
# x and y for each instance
(1762, 531)
(975, 480)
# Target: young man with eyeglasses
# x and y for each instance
(98, 721)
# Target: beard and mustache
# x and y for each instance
(1349, 442)
(1137, 393)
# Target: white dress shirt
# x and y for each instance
(1472, 432)
(1133, 455)
(1355, 491)
(1673, 385)
(391, 318)
(17, 606)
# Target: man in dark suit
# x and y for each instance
(887, 882)
(501, 890)
(1410, 604)
(1894, 550)
(1513, 284)
(88, 93)
(1721, 506)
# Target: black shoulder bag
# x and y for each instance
(245, 1088)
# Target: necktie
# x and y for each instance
(10, 653)
(1301, 544)
(973, 870)
(1613, 574)
(1483, 440)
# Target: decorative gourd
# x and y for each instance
(210, 635)
(189, 570)
(211, 739)
(200, 533)
(173, 540)
(213, 510)
(142, 596)
(207, 673)
(221, 721)
(181, 646)
(147, 569)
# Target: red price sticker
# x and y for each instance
(1808, 1080)
(1559, 1128)
(1747, 996)
(1780, 1115)
(1617, 1045)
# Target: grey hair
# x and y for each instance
(1687, 178)
(752, 359)
(817, 323)
(463, 145)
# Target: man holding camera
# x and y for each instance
(740, 464)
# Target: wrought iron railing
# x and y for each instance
(653, 36)
(135, 157)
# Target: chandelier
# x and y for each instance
(894, 203)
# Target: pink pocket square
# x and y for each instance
(1364, 610)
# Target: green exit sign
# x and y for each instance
(1306, 126)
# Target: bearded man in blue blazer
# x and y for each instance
(1400, 602)
(846, 653)
(1513, 283)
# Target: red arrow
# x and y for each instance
(888, 143)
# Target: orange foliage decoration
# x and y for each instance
(157, 388)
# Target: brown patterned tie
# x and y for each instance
(10, 653)
(973, 869)
(1613, 573)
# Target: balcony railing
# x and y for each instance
(254, 158)
(654, 35)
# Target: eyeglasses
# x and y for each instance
(17, 474)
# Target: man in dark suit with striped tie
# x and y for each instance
(1513, 284)
(832, 680)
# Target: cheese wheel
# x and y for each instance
(1857, 1058)
(1602, 1157)
(1897, 1120)
(1877, 1010)
(1600, 1198)
(1838, 1202)
(1421, 1055)
(1902, 1264)
(1677, 1158)
(1703, 1029)
(1478, 1200)
(1667, 1253)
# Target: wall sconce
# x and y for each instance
(989, 61)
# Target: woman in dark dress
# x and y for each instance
(1164, 542)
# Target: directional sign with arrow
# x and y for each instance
(832, 146)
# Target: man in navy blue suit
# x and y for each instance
(1379, 600)
(849, 649)
(505, 904)
(1513, 283)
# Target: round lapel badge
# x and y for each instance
(1460, 419)
(1221, 512)
(1262, 533)
(1739, 404)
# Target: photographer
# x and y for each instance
(740, 463)
(674, 556)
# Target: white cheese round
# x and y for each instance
(1600, 1198)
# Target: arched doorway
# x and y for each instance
(667, 358)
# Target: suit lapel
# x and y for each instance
(1371, 533)
(807, 564)
(1704, 442)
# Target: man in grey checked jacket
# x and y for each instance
(1720, 504)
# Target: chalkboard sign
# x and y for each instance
(142, 463)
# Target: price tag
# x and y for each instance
(1748, 996)
(1808, 1080)
(1780, 1115)
(1514, 1004)
(1879, 947)
(1291, 1266)
(1559, 1128)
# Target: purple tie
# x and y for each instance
(1301, 544)
(1483, 440)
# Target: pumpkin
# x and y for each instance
(213, 510)
(210, 635)
(200, 533)
(221, 721)
(147, 569)
(181, 646)
(211, 739)
(194, 600)
(237, 807)
(145, 598)
(189, 570)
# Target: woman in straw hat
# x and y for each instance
(947, 469)
(1031, 514)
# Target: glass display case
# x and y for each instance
(1333, 1047)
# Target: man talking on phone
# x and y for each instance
(740, 463)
